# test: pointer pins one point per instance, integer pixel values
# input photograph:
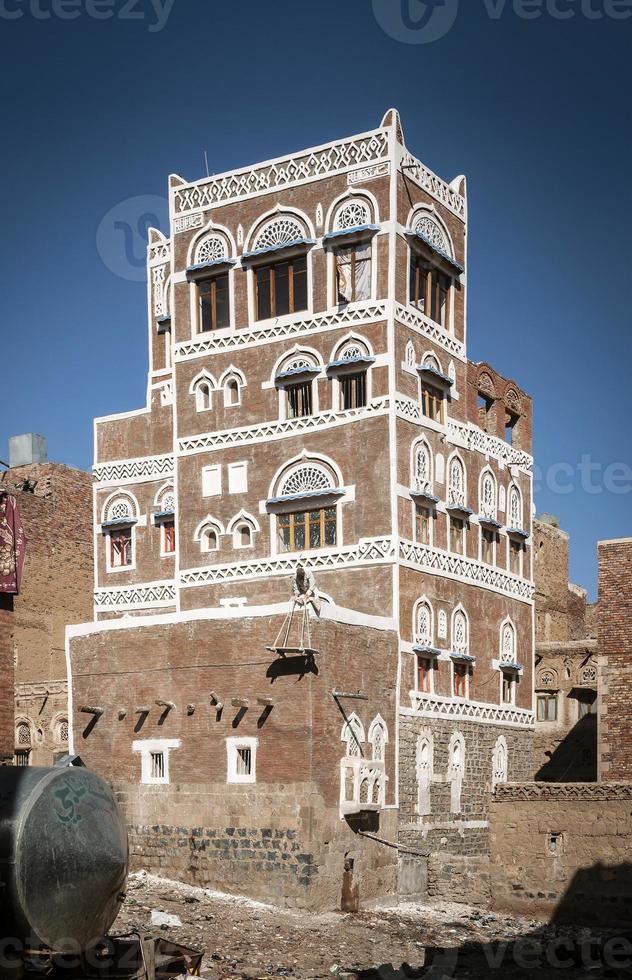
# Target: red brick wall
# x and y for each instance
(6, 678)
(615, 660)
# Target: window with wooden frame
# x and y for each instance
(516, 549)
(214, 303)
(424, 675)
(299, 400)
(422, 524)
(353, 273)
(353, 390)
(168, 537)
(457, 535)
(307, 530)
(508, 686)
(430, 290)
(488, 542)
(120, 545)
(546, 707)
(461, 673)
(281, 288)
(432, 402)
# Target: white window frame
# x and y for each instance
(212, 481)
(232, 745)
(468, 669)
(152, 745)
(514, 684)
(163, 552)
(109, 567)
(238, 477)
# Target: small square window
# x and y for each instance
(241, 759)
(155, 758)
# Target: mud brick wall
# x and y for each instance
(465, 833)
(6, 679)
(563, 850)
(57, 588)
(615, 660)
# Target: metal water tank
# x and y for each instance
(63, 856)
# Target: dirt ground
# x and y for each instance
(245, 939)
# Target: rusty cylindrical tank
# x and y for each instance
(63, 856)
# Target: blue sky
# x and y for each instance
(98, 112)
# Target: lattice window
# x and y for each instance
(515, 507)
(488, 495)
(119, 510)
(589, 674)
(378, 741)
(305, 479)
(211, 249)
(159, 290)
(351, 350)
(23, 734)
(423, 628)
(411, 357)
(62, 731)
(298, 364)
(508, 644)
(167, 500)
(277, 233)
(351, 215)
(354, 738)
(432, 232)
(457, 482)
(423, 468)
(460, 632)
(456, 763)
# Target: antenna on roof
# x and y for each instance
(206, 162)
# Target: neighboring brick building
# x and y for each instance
(565, 747)
(615, 660)
(55, 503)
(310, 391)
(7, 726)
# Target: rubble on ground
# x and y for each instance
(253, 941)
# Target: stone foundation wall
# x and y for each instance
(563, 851)
(277, 843)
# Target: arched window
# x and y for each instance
(350, 370)
(499, 761)
(507, 643)
(431, 230)
(164, 519)
(424, 624)
(352, 214)
(209, 539)
(378, 738)
(231, 392)
(305, 502)
(431, 276)
(456, 482)
(23, 735)
(488, 505)
(203, 388)
(294, 380)
(515, 507)
(61, 731)
(460, 632)
(422, 467)
(353, 735)
(456, 770)
(280, 286)
(425, 771)
(410, 356)
(242, 535)
(209, 275)
(120, 516)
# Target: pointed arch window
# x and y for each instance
(203, 390)
(350, 370)
(433, 270)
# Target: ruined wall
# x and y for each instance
(615, 660)
(563, 851)
(57, 586)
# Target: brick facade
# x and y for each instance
(223, 452)
(615, 659)
(565, 748)
(6, 679)
(57, 587)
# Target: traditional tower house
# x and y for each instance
(310, 393)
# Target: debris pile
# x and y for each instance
(253, 941)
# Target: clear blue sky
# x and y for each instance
(535, 112)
